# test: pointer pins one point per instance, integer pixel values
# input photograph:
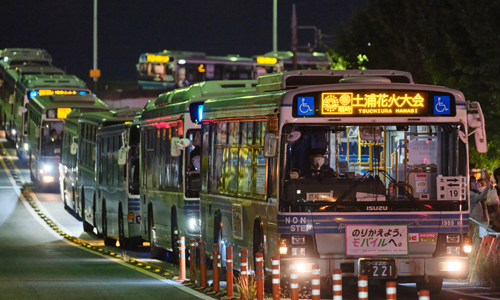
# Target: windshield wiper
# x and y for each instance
(415, 202)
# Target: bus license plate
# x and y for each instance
(378, 268)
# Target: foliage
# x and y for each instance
(247, 288)
(447, 42)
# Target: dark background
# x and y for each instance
(128, 28)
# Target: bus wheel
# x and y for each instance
(434, 285)
(86, 226)
(156, 252)
(107, 240)
(124, 242)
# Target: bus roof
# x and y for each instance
(272, 88)
(117, 115)
(294, 79)
(19, 55)
(58, 81)
(165, 103)
(87, 101)
(302, 57)
(170, 55)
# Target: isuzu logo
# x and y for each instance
(378, 208)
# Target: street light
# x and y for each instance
(95, 45)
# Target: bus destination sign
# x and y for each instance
(374, 103)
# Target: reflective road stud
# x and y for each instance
(192, 259)
(203, 266)
(229, 271)
(315, 292)
(424, 295)
(337, 284)
(363, 287)
(276, 277)
(182, 259)
(259, 275)
(294, 282)
(244, 269)
(391, 288)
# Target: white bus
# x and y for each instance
(364, 171)
(170, 170)
(96, 211)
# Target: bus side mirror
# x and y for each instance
(21, 110)
(475, 119)
(37, 132)
(270, 144)
(122, 155)
(177, 145)
(74, 146)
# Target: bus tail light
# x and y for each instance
(282, 246)
(131, 217)
(467, 244)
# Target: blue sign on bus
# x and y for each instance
(442, 105)
(306, 106)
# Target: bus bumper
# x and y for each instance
(407, 269)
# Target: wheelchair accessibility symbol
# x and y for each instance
(306, 106)
(441, 105)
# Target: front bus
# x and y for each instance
(371, 175)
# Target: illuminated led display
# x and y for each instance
(62, 113)
(373, 103)
(266, 60)
(157, 58)
(60, 92)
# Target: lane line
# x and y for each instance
(44, 224)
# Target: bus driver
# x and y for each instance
(317, 166)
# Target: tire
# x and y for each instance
(156, 252)
(124, 242)
(434, 285)
(107, 240)
(86, 226)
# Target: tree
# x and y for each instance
(444, 42)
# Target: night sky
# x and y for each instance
(128, 28)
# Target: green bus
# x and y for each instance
(45, 117)
(101, 182)
(170, 169)
(363, 171)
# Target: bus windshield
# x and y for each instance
(383, 167)
(51, 138)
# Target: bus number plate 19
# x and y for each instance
(378, 268)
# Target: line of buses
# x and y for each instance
(363, 171)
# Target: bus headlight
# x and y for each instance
(304, 267)
(47, 168)
(13, 131)
(450, 266)
(193, 224)
(48, 179)
(26, 147)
